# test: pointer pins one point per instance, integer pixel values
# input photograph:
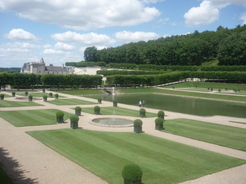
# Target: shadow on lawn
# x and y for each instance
(13, 169)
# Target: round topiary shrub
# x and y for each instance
(59, 117)
(2, 96)
(45, 98)
(56, 96)
(132, 174)
(161, 114)
(13, 94)
(115, 103)
(43, 90)
(78, 111)
(159, 124)
(30, 98)
(142, 113)
(51, 94)
(97, 110)
(99, 100)
(137, 124)
(26, 93)
(74, 121)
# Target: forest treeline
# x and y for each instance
(225, 45)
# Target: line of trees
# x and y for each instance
(226, 45)
(24, 80)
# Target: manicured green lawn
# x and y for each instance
(71, 101)
(5, 103)
(117, 111)
(82, 92)
(32, 117)
(4, 178)
(162, 161)
(227, 136)
(185, 93)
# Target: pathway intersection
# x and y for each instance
(40, 164)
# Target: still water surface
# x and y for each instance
(185, 105)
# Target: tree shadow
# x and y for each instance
(13, 169)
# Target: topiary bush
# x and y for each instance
(78, 111)
(43, 90)
(142, 113)
(45, 98)
(51, 94)
(13, 94)
(115, 103)
(97, 110)
(56, 96)
(159, 124)
(30, 98)
(74, 119)
(99, 100)
(161, 114)
(132, 174)
(2, 96)
(26, 93)
(137, 125)
(59, 117)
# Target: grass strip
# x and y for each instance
(82, 92)
(227, 136)
(118, 111)
(162, 161)
(185, 93)
(39, 95)
(238, 122)
(32, 117)
(71, 101)
(5, 103)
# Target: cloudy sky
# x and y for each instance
(60, 30)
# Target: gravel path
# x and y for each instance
(29, 161)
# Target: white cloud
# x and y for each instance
(126, 36)
(47, 46)
(52, 52)
(83, 14)
(63, 46)
(21, 35)
(89, 39)
(20, 45)
(152, 1)
(243, 17)
(208, 11)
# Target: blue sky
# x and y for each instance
(60, 30)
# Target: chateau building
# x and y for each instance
(40, 68)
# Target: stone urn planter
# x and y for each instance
(74, 120)
(142, 113)
(137, 124)
(1, 96)
(99, 100)
(78, 111)
(45, 98)
(56, 96)
(30, 98)
(97, 110)
(59, 117)
(159, 124)
(13, 94)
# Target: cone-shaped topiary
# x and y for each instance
(13, 94)
(142, 113)
(137, 125)
(78, 111)
(99, 100)
(132, 174)
(115, 103)
(30, 98)
(74, 121)
(159, 124)
(1, 96)
(26, 93)
(97, 110)
(56, 96)
(59, 117)
(161, 114)
(45, 98)
(51, 94)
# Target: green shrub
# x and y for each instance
(56, 96)
(132, 173)
(59, 117)
(99, 100)
(161, 114)
(97, 110)
(43, 90)
(26, 93)
(51, 94)
(13, 94)
(45, 98)
(78, 111)
(142, 112)
(74, 121)
(159, 124)
(30, 98)
(2, 96)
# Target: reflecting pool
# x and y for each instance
(195, 106)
